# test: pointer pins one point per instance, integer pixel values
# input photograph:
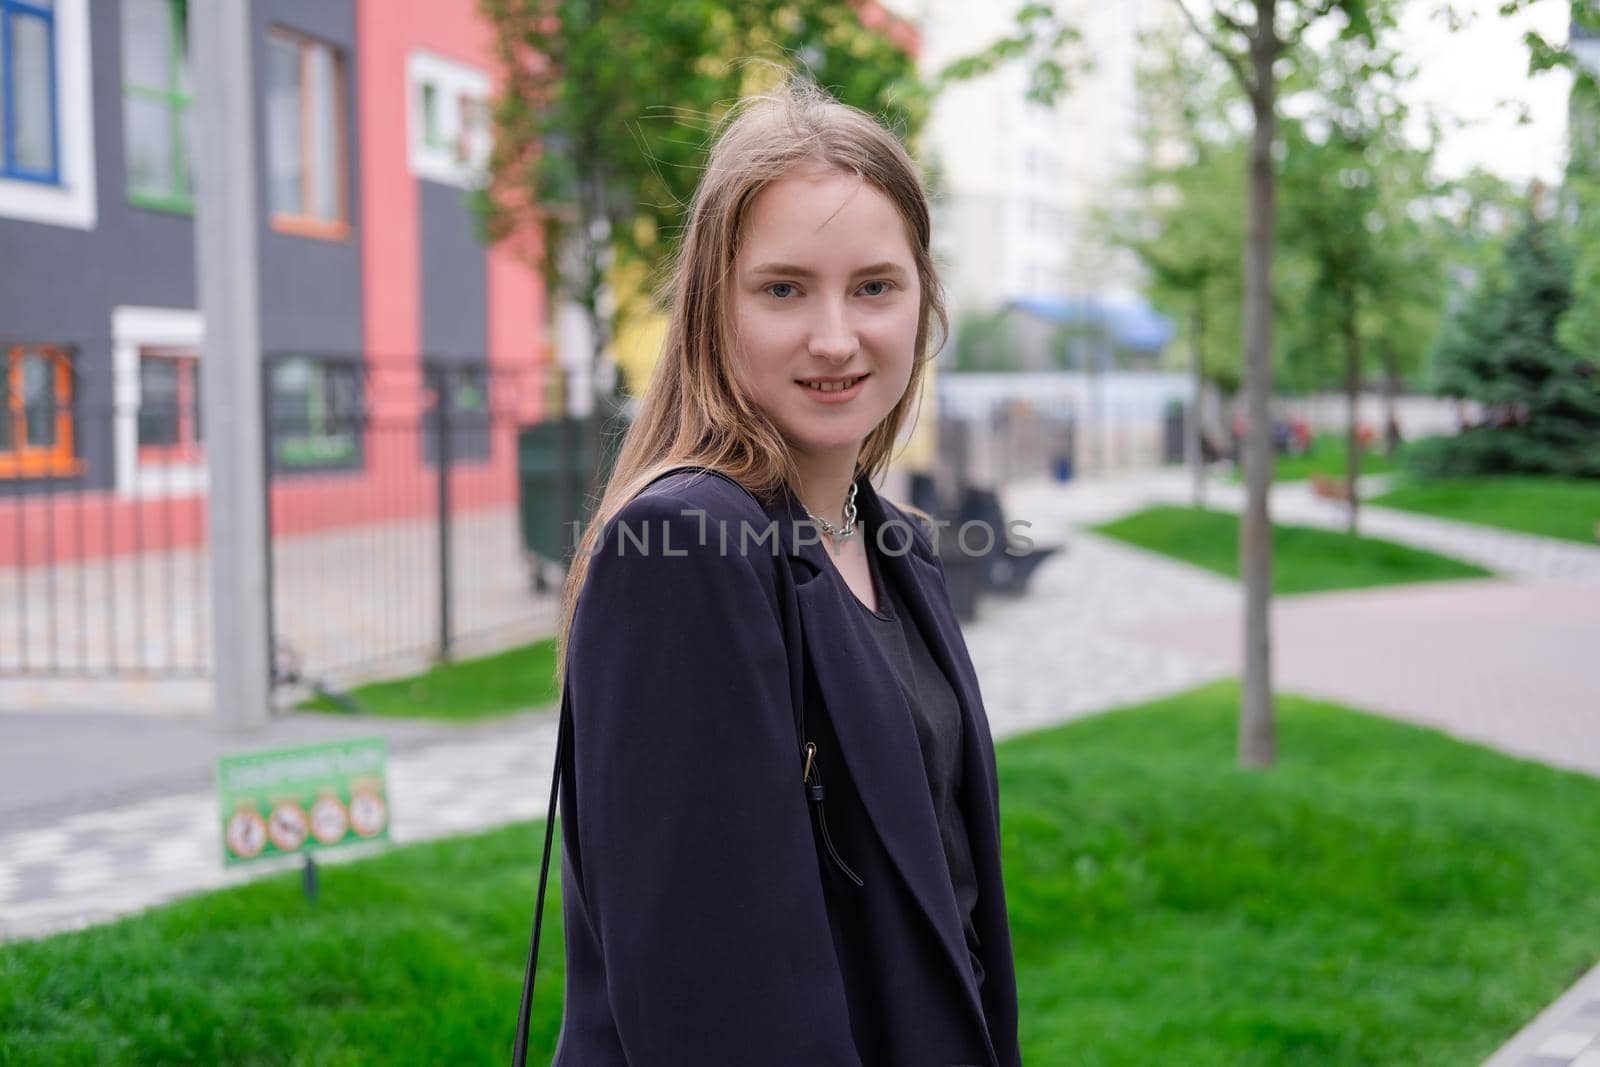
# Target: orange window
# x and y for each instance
(306, 165)
(36, 434)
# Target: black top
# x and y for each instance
(937, 715)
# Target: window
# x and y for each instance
(46, 114)
(471, 393)
(36, 412)
(30, 148)
(156, 98)
(431, 137)
(449, 120)
(169, 406)
(155, 359)
(305, 136)
(316, 413)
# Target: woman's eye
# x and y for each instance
(781, 290)
(877, 288)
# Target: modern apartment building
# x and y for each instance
(1020, 182)
(371, 130)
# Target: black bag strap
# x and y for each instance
(524, 1013)
(563, 739)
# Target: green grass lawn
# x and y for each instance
(1304, 560)
(1384, 896)
(1326, 456)
(1567, 508)
(506, 682)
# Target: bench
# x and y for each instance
(1003, 572)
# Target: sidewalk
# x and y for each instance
(86, 839)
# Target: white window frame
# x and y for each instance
(72, 202)
(134, 329)
(451, 80)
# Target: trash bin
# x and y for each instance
(542, 472)
(544, 468)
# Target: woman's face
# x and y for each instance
(825, 288)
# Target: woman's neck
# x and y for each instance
(825, 486)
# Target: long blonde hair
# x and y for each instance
(695, 410)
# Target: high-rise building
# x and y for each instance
(1020, 183)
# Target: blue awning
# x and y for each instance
(1137, 327)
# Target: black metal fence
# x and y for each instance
(404, 496)
(399, 494)
(102, 564)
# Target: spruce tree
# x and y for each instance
(1540, 400)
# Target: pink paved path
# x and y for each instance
(1514, 665)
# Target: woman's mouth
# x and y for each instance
(834, 391)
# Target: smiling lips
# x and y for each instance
(834, 385)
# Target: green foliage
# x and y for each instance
(1305, 560)
(1541, 401)
(1359, 233)
(983, 343)
(1545, 54)
(1360, 207)
(1579, 328)
(1391, 899)
(1040, 40)
(1187, 226)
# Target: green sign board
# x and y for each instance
(292, 800)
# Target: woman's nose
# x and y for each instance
(833, 337)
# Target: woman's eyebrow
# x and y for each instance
(784, 268)
(793, 271)
(885, 267)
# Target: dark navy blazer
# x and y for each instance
(706, 922)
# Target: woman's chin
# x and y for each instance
(834, 440)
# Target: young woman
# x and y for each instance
(779, 809)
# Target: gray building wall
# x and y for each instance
(455, 276)
(73, 278)
(455, 307)
(310, 288)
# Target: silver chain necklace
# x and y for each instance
(838, 532)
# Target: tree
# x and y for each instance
(1580, 328)
(1541, 400)
(1187, 229)
(1246, 36)
(983, 343)
(1355, 195)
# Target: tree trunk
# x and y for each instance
(1197, 456)
(1257, 726)
(1391, 398)
(1352, 392)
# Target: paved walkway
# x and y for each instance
(1566, 1034)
